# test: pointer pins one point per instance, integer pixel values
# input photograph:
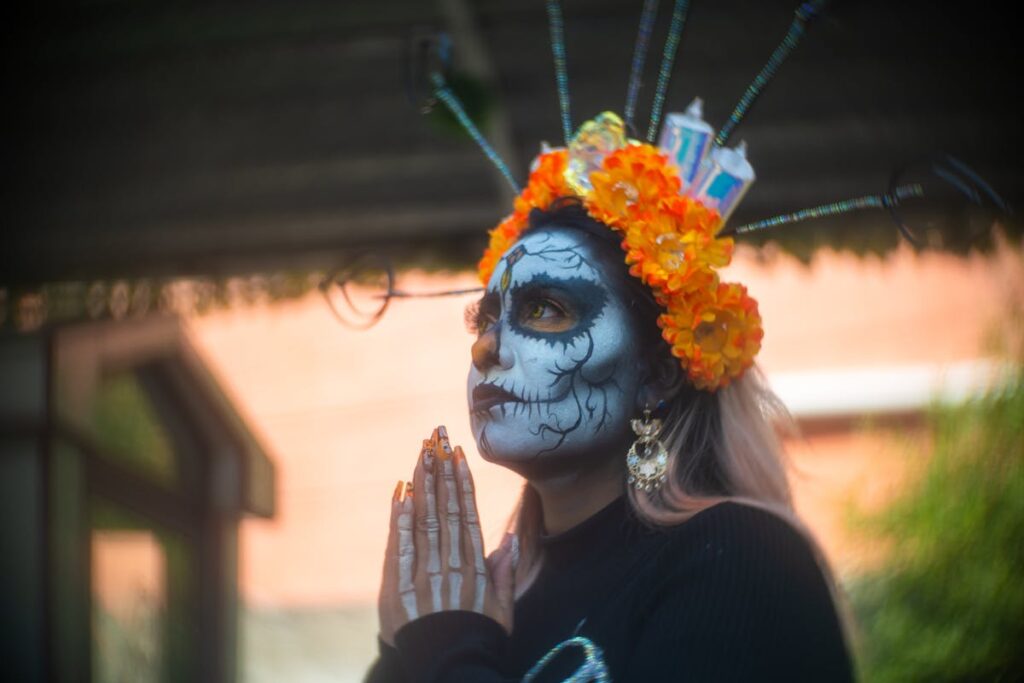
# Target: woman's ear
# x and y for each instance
(663, 380)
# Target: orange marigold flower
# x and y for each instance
(672, 247)
(546, 184)
(501, 239)
(715, 333)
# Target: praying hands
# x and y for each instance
(435, 553)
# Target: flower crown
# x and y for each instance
(669, 239)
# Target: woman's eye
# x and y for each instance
(543, 308)
(546, 315)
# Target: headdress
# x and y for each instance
(669, 239)
(670, 200)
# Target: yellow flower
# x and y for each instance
(547, 183)
(631, 180)
(715, 333)
(672, 246)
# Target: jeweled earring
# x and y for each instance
(647, 459)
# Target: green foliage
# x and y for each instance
(129, 431)
(949, 606)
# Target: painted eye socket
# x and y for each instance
(555, 310)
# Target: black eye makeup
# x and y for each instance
(555, 310)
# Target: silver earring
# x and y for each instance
(647, 459)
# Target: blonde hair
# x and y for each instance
(741, 448)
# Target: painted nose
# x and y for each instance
(486, 349)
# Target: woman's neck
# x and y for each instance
(571, 498)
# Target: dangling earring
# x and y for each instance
(647, 459)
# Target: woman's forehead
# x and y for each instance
(558, 254)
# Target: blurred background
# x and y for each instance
(197, 453)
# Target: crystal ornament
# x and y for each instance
(672, 249)
(724, 179)
(647, 460)
(595, 140)
(686, 139)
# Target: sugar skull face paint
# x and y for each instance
(554, 371)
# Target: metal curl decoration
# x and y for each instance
(593, 669)
(428, 71)
(362, 268)
(426, 53)
(911, 181)
(956, 176)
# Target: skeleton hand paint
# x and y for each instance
(554, 368)
(435, 553)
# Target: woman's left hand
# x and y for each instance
(435, 553)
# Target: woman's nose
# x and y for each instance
(486, 349)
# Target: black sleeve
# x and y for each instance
(743, 598)
(387, 668)
(452, 646)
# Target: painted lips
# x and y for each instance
(486, 396)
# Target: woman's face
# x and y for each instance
(555, 369)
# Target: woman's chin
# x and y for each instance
(499, 441)
(511, 441)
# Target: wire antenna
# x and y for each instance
(804, 13)
(450, 100)
(557, 27)
(643, 39)
(668, 58)
(875, 201)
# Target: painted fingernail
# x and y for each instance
(399, 487)
(442, 434)
(408, 490)
(427, 455)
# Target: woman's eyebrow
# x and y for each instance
(488, 299)
(488, 303)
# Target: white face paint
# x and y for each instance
(561, 377)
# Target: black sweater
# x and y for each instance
(733, 594)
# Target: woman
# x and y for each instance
(615, 571)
